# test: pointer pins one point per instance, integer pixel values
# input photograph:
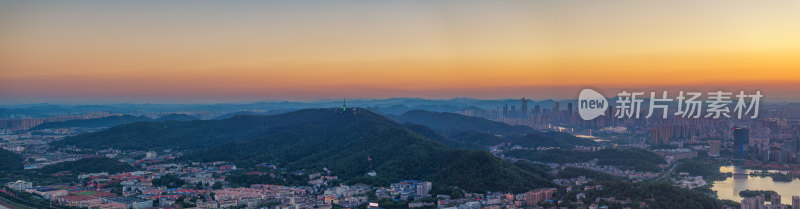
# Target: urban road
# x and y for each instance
(665, 174)
(8, 204)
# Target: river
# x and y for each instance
(729, 188)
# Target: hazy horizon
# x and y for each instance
(207, 51)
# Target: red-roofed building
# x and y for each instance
(78, 201)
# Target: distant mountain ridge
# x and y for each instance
(233, 114)
(388, 106)
(93, 123)
(177, 117)
(110, 121)
(174, 134)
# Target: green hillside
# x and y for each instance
(176, 134)
(452, 143)
(10, 161)
(449, 123)
(638, 159)
(346, 142)
(88, 165)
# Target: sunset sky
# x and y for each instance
(221, 51)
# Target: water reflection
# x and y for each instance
(729, 188)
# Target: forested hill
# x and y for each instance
(183, 134)
(346, 142)
(449, 123)
(350, 142)
(10, 161)
(88, 165)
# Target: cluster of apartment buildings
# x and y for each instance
(758, 202)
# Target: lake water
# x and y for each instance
(729, 188)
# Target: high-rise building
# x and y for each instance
(765, 153)
(660, 135)
(556, 112)
(19, 185)
(556, 109)
(524, 108)
(569, 112)
(423, 188)
(151, 154)
(756, 202)
(713, 148)
(537, 109)
(796, 147)
(536, 196)
(795, 202)
(748, 203)
(512, 113)
(792, 145)
(788, 145)
(760, 200)
(741, 141)
(505, 111)
(569, 108)
(775, 199)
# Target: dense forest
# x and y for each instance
(169, 181)
(452, 143)
(752, 193)
(568, 173)
(351, 143)
(708, 168)
(474, 137)
(176, 134)
(638, 159)
(10, 161)
(88, 165)
(354, 142)
(659, 195)
(452, 123)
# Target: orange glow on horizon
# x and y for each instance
(387, 49)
